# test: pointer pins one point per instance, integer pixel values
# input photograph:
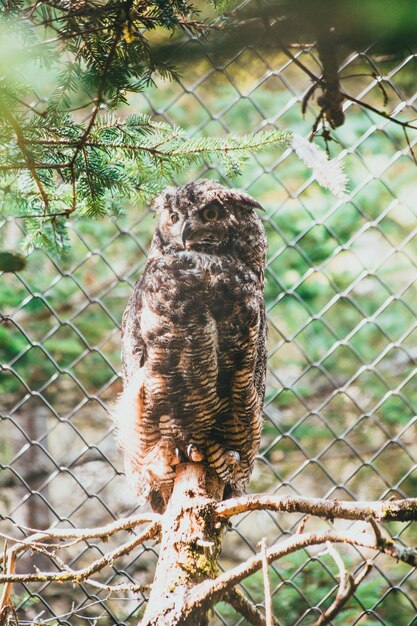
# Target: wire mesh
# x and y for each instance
(340, 409)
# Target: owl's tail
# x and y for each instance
(126, 415)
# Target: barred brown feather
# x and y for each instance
(194, 342)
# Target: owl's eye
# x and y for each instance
(174, 218)
(211, 213)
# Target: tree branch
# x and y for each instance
(29, 160)
(37, 540)
(33, 165)
(186, 584)
(318, 81)
(75, 575)
(387, 510)
(190, 544)
(245, 607)
(100, 91)
(212, 590)
(267, 585)
(347, 586)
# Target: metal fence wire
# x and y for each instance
(340, 409)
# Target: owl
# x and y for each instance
(194, 343)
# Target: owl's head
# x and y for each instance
(206, 217)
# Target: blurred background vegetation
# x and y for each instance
(340, 411)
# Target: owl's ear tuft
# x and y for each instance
(156, 203)
(162, 201)
(242, 199)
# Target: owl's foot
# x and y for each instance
(225, 462)
(232, 458)
(176, 457)
(170, 452)
(194, 454)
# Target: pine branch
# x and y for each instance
(29, 160)
(99, 96)
(57, 166)
(112, 149)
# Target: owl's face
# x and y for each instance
(196, 227)
(203, 216)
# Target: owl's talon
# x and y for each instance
(176, 457)
(194, 454)
(232, 458)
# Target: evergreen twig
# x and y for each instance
(55, 165)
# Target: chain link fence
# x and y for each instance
(340, 410)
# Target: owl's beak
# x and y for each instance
(185, 232)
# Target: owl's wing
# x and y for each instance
(262, 355)
(259, 377)
(133, 347)
(248, 392)
(240, 431)
(128, 409)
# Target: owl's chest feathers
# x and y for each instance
(203, 271)
(191, 260)
(194, 295)
(189, 284)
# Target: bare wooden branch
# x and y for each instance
(127, 523)
(301, 526)
(331, 100)
(377, 531)
(38, 540)
(213, 590)
(9, 565)
(187, 582)
(245, 607)
(121, 587)
(347, 587)
(343, 573)
(84, 573)
(386, 510)
(318, 81)
(267, 585)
